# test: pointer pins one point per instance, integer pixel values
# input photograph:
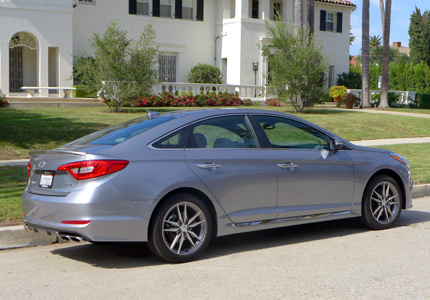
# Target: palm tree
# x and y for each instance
(375, 41)
(311, 16)
(298, 16)
(365, 102)
(386, 54)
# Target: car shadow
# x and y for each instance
(136, 255)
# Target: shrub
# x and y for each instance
(81, 92)
(393, 99)
(375, 99)
(190, 100)
(273, 102)
(351, 79)
(3, 101)
(423, 100)
(338, 91)
(204, 73)
(352, 100)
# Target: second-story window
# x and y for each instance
(331, 21)
(187, 9)
(166, 8)
(254, 9)
(142, 7)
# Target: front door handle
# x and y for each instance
(208, 166)
(288, 165)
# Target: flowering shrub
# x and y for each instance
(352, 100)
(3, 101)
(190, 100)
(273, 102)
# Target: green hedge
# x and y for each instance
(80, 92)
(423, 100)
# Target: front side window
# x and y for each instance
(142, 7)
(285, 133)
(166, 8)
(222, 132)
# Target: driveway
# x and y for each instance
(332, 260)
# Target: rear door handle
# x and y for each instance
(208, 166)
(288, 165)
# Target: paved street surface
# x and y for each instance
(332, 260)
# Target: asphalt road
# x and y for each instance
(332, 260)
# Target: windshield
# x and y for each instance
(119, 133)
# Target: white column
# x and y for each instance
(4, 68)
(289, 10)
(43, 69)
(242, 9)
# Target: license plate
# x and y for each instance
(46, 180)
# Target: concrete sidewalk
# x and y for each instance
(370, 143)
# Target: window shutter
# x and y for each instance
(178, 9)
(132, 7)
(339, 22)
(155, 8)
(322, 20)
(200, 10)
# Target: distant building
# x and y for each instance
(405, 50)
(39, 37)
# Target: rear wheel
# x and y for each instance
(382, 203)
(181, 229)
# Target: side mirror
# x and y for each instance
(336, 144)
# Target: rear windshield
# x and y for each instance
(121, 132)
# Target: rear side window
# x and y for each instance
(122, 132)
(223, 132)
(176, 140)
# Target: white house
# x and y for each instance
(39, 37)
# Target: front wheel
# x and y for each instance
(181, 229)
(382, 203)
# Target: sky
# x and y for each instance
(401, 11)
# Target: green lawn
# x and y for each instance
(28, 129)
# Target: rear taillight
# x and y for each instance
(93, 168)
(28, 169)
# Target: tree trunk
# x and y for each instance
(311, 16)
(386, 55)
(298, 16)
(381, 5)
(365, 97)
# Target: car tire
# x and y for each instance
(180, 229)
(382, 203)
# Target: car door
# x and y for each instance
(224, 153)
(312, 178)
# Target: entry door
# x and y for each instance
(223, 152)
(16, 77)
(312, 178)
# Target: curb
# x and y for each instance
(17, 237)
(11, 163)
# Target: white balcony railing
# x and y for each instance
(405, 96)
(252, 92)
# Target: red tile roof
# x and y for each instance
(342, 2)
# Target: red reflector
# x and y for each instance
(75, 222)
(93, 168)
(28, 169)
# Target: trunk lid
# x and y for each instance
(45, 179)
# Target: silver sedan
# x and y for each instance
(179, 179)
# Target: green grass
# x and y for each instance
(13, 181)
(414, 110)
(28, 129)
(417, 154)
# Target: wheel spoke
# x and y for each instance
(196, 224)
(172, 223)
(185, 212)
(388, 209)
(194, 217)
(386, 213)
(179, 214)
(181, 242)
(380, 212)
(377, 194)
(174, 241)
(377, 200)
(170, 229)
(191, 240)
(194, 235)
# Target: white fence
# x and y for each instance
(255, 93)
(405, 96)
